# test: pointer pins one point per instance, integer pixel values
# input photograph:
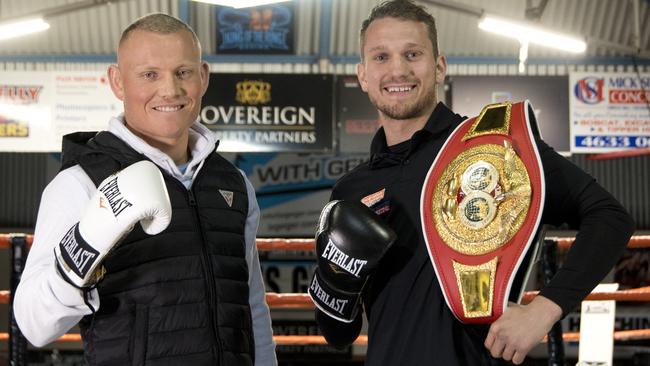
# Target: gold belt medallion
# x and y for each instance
(481, 199)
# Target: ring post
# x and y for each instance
(549, 267)
(17, 342)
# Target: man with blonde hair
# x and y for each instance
(146, 237)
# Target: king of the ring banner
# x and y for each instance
(480, 209)
(266, 29)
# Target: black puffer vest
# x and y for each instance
(179, 297)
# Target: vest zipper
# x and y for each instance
(209, 274)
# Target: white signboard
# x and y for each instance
(597, 329)
(38, 107)
(609, 111)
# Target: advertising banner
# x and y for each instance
(255, 30)
(609, 111)
(293, 188)
(270, 112)
(38, 107)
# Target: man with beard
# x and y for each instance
(409, 322)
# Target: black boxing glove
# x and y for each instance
(350, 241)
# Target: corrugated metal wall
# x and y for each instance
(627, 179)
(23, 177)
(88, 31)
(340, 69)
(96, 30)
(458, 33)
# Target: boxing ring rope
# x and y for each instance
(303, 301)
(19, 243)
(285, 340)
(271, 244)
(620, 154)
(636, 242)
(6, 239)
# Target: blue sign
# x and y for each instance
(616, 141)
(293, 188)
(255, 30)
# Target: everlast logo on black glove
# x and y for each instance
(333, 303)
(344, 261)
(112, 192)
(77, 254)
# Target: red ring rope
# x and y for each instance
(268, 244)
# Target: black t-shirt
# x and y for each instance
(409, 321)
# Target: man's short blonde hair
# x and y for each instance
(159, 23)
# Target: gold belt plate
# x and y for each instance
(476, 285)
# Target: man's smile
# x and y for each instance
(400, 90)
(169, 108)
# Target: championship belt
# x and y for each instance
(481, 206)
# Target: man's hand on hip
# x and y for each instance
(520, 328)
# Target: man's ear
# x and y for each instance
(441, 69)
(115, 79)
(205, 76)
(361, 76)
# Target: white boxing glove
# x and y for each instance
(134, 194)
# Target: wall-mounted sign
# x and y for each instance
(38, 107)
(269, 112)
(609, 111)
(293, 188)
(256, 30)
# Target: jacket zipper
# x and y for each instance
(209, 274)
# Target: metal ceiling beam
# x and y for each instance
(634, 49)
(534, 12)
(630, 50)
(636, 32)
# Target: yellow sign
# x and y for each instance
(13, 128)
(253, 92)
